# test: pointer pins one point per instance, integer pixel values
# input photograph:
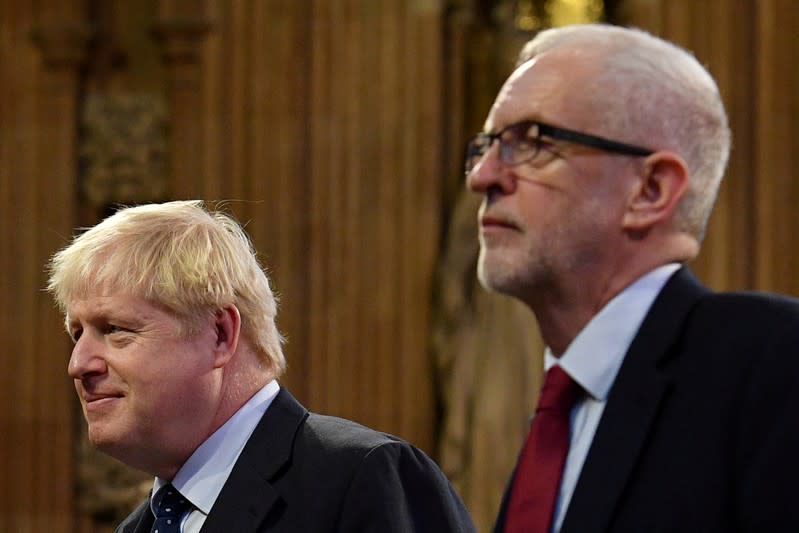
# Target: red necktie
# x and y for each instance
(540, 467)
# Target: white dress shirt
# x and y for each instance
(202, 476)
(593, 359)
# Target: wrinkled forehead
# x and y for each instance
(99, 282)
(84, 293)
(113, 302)
(544, 88)
(93, 280)
(88, 303)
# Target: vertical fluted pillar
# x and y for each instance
(42, 50)
(325, 116)
(775, 143)
(182, 29)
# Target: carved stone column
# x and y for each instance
(45, 431)
(488, 351)
(181, 39)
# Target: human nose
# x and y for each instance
(87, 358)
(491, 174)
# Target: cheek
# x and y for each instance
(180, 383)
(543, 211)
(170, 373)
(171, 407)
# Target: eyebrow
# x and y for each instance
(585, 139)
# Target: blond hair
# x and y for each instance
(179, 255)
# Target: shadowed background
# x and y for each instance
(334, 129)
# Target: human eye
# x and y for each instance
(521, 143)
(481, 143)
(544, 145)
(476, 149)
(111, 329)
(75, 333)
(530, 144)
(117, 335)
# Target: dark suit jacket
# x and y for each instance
(302, 472)
(701, 428)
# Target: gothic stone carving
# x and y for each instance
(123, 148)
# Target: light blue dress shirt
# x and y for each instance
(201, 478)
(593, 359)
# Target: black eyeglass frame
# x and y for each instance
(483, 141)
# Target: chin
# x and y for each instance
(495, 282)
(104, 438)
(494, 276)
(98, 438)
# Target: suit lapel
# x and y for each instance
(140, 521)
(631, 409)
(248, 494)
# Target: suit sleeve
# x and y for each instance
(397, 488)
(768, 455)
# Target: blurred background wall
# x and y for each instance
(334, 129)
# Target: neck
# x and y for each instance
(238, 386)
(565, 307)
(239, 383)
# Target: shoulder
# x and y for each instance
(339, 435)
(754, 335)
(684, 296)
(729, 332)
(749, 313)
(321, 441)
(683, 292)
(752, 302)
(347, 447)
(385, 483)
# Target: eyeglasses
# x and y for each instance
(521, 142)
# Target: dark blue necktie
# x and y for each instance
(169, 506)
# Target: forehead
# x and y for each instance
(101, 304)
(540, 89)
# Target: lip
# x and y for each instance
(100, 405)
(95, 401)
(489, 222)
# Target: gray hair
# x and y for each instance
(650, 92)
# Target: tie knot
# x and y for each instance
(169, 506)
(559, 392)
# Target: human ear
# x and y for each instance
(227, 323)
(661, 184)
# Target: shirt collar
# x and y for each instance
(202, 476)
(594, 357)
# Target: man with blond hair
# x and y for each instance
(176, 358)
(666, 406)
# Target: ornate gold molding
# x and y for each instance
(123, 148)
(181, 38)
(63, 45)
